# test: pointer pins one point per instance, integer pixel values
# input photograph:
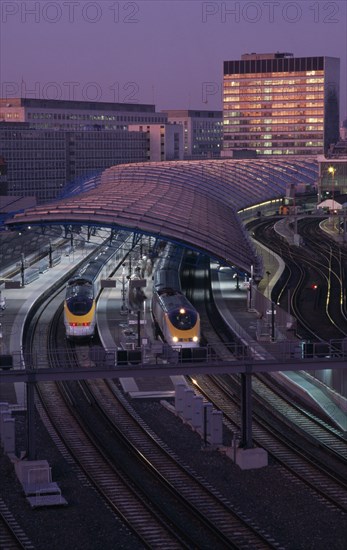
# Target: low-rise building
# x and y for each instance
(77, 115)
(41, 161)
(165, 140)
(202, 132)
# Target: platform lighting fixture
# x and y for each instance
(332, 171)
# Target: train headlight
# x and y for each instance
(195, 338)
(182, 311)
(175, 339)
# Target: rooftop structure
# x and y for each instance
(192, 203)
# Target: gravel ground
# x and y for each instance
(292, 515)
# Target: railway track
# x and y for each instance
(282, 445)
(208, 520)
(140, 444)
(12, 536)
(316, 275)
(326, 445)
(202, 498)
(211, 523)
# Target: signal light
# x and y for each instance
(314, 286)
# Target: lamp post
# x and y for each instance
(268, 273)
(332, 171)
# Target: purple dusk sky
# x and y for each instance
(169, 53)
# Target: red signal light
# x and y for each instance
(314, 286)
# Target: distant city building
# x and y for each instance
(41, 161)
(240, 154)
(278, 104)
(165, 140)
(332, 180)
(338, 150)
(47, 143)
(3, 176)
(202, 132)
(77, 115)
(343, 130)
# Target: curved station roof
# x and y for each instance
(194, 203)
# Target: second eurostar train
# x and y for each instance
(176, 318)
(83, 289)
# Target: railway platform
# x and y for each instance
(18, 302)
(131, 327)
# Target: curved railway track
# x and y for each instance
(211, 523)
(285, 445)
(202, 498)
(315, 274)
(308, 468)
(76, 443)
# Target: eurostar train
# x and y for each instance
(83, 289)
(175, 317)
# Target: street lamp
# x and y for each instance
(332, 171)
(268, 273)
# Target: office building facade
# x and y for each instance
(277, 104)
(165, 140)
(48, 143)
(202, 132)
(39, 162)
(77, 115)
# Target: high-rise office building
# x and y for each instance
(278, 104)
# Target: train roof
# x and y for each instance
(166, 278)
(90, 271)
(79, 281)
(171, 299)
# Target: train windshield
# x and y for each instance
(79, 298)
(183, 319)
